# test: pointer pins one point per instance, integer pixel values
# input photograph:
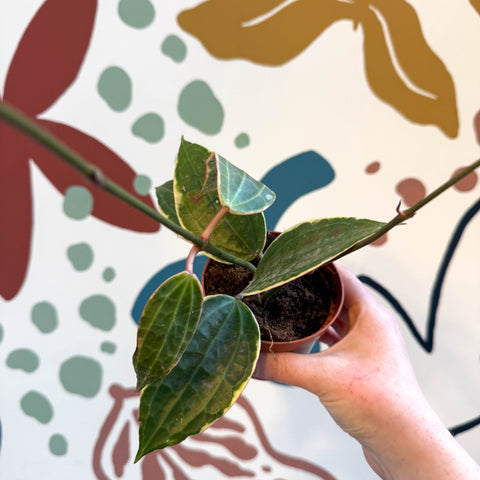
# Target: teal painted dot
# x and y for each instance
(36, 405)
(242, 140)
(1, 333)
(108, 274)
(136, 13)
(81, 376)
(99, 312)
(199, 108)
(142, 184)
(174, 48)
(80, 255)
(108, 347)
(58, 444)
(23, 359)
(115, 87)
(78, 202)
(150, 127)
(44, 316)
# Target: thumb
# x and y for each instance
(295, 369)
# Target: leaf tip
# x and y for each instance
(141, 383)
(139, 455)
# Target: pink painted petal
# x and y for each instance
(15, 211)
(50, 54)
(105, 206)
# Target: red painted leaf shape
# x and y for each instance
(151, 470)
(15, 211)
(105, 207)
(50, 54)
(121, 451)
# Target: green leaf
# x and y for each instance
(307, 246)
(208, 379)
(166, 201)
(197, 202)
(166, 327)
(241, 193)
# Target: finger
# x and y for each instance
(341, 325)
(290, 368)
(330, 337)
(355, 290)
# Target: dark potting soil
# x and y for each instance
(298, 309)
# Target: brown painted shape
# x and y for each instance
(428, 97)
(229, 434)
(402, 71)
(271, 39)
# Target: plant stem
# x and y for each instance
(31, 128)
(404, 215)
(205, 236)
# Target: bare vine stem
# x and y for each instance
(403, 215)
(31, 128)
(92, 173)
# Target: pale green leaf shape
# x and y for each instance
(166, 327)
(209, 378)
(241, 193)
(306, 247)
(166, 201)
(197, 202)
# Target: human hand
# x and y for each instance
(366, 382)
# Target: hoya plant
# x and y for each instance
(196, 353)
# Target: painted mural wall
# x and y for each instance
(344, 108)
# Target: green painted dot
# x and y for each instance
(199, 108)
(136, 13)
(242, 140)
(108, 347)
(80, 255)
(44, 316)
(115, 87)
(1, 332)
(23, 359)
(108, 274)
(81, 375)
(174, 48)
(78, 202)
(142, 184)
(98, 311)
(58, 445)
(36, 405)
(150, 127)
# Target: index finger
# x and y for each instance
(355, 291)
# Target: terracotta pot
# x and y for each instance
(331, 277)
(305, 344)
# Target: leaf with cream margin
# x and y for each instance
(403, 70)
(269, 32)
(166, 327)
(197, 202)
(307, 246)
(238, 191)
(207, 380)
(166, 201)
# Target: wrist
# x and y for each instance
(422, 449)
